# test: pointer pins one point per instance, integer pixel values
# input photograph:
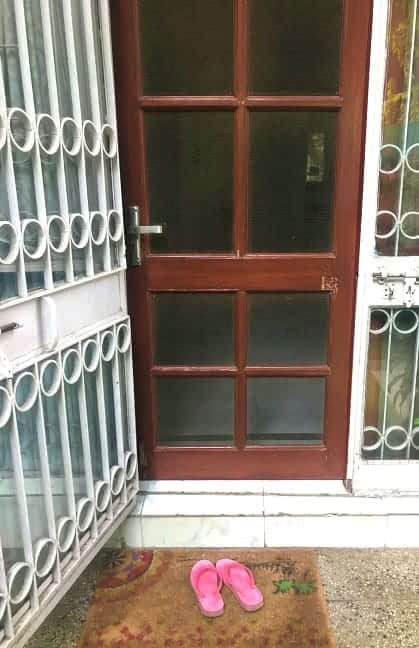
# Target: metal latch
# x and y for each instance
(388, 281)
(133, 233)
(10, 326)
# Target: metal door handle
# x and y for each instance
(150, 229)
(133, 231)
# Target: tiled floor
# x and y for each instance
(373, 598)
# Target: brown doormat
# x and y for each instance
(144, 599)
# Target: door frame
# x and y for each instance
(318, 462)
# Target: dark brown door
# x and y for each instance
(241, 129)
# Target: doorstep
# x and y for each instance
(268, 514)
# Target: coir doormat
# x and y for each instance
(144, 599)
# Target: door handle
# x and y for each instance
(150, 229)
(133, 232)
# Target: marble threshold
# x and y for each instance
(268, 514)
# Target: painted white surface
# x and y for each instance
(303, 531)
(202, 505)
(202, 532)
(203, 486)
(237, 520)
(367, 241)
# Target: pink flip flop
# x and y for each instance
(240, 580)
(206, 583)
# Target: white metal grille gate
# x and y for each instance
(385, 398)
(68, 462)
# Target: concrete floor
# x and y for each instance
(373, 599)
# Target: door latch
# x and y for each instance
(409, 292)
(133, 233)
(388, 281)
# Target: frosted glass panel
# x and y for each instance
(288, 328)
(294, 46)
(285, 410)
(193, 329)
(187, 47)
(190, 169)
(195, 411)
(291, 181)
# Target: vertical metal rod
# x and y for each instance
(22, 504)
(390, 334)
(25, 70)
(105, 22)
(87, 455)
(119, 427)
(406, 123)
(75, 99)
(129, 373)
(101, 410)
(8, 624)
(413, 393)
(46, 475)
(55, 113)
(92, 64)
(7, 158)
(67, 462)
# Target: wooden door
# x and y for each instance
(241, 129)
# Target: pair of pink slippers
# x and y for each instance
(207, 580)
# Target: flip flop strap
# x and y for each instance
(252, 578)
(219, 579)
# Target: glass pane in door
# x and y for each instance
(291, 181)
(195, 411)
(190, 187)
(193, 328)
(288, 328)
(285, 410)
(187, 47)
(295, 47)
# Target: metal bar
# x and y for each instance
(67, 462)
(390, 332)
(413, 395)
(87, 455)
(97, 117)
(116, 383)
(406, 124)
(46, 475)
(7, 156)
(25, 70)
(19, 479)
(102, 438)
(75, 99)
(129, 373)
(8, 624)
(105, 22)
(101, 408)
(55, 113)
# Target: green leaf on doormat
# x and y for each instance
(283, 586)
(304, 588)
